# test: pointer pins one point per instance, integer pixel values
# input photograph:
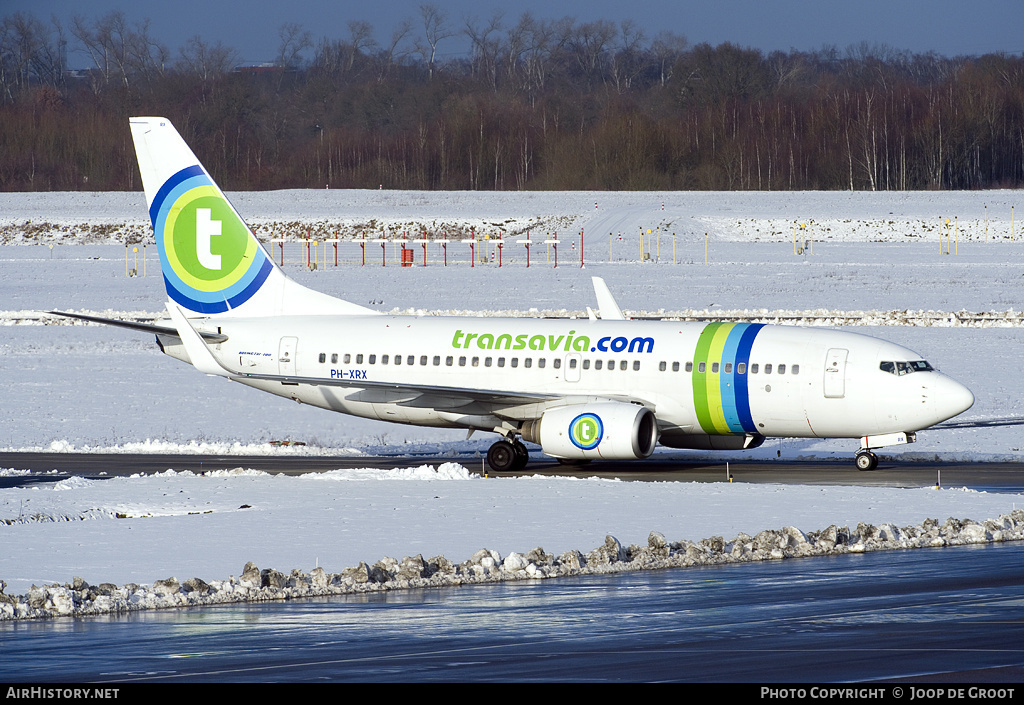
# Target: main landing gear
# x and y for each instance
(507, 455)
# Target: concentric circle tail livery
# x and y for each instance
(189, 214)
(212, 262)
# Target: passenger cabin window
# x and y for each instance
(768, 369)
(323, 357)
(334, 358)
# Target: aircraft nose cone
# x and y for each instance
(951, 398)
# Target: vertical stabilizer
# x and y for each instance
(211, 261)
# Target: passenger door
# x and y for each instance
(286, 356)
(572, 367)
(835, 373)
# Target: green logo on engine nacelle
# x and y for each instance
(586, 431)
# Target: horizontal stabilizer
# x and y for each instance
(211, 338)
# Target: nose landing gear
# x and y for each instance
(866, 460)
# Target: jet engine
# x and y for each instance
(605, 430)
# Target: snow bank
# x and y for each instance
(79, 598)
(326, 533)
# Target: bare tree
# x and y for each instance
(590, 43)
(486, 46)
(435, 29)
(361, 41)
(668, 47)
(392, 53)
(626, 62)
(294, 41)
(120, 52)
(207, 61)
(30, 52)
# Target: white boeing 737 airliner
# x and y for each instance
(583, 390)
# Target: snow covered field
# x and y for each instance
(876, 263)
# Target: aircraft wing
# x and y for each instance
(425, 395)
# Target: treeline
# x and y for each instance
(536, 104)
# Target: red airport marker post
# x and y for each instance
(554, 241)
(383, 249)
(526, 242)
(401, 259)
(423, 241)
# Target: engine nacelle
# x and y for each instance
(607, 430)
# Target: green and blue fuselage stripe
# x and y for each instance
(720, 394)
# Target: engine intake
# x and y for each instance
(605, 430)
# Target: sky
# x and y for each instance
(948, 27)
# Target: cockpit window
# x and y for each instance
(900, 368)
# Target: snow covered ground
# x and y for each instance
(877, 262)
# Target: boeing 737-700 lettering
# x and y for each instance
(603, 388)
